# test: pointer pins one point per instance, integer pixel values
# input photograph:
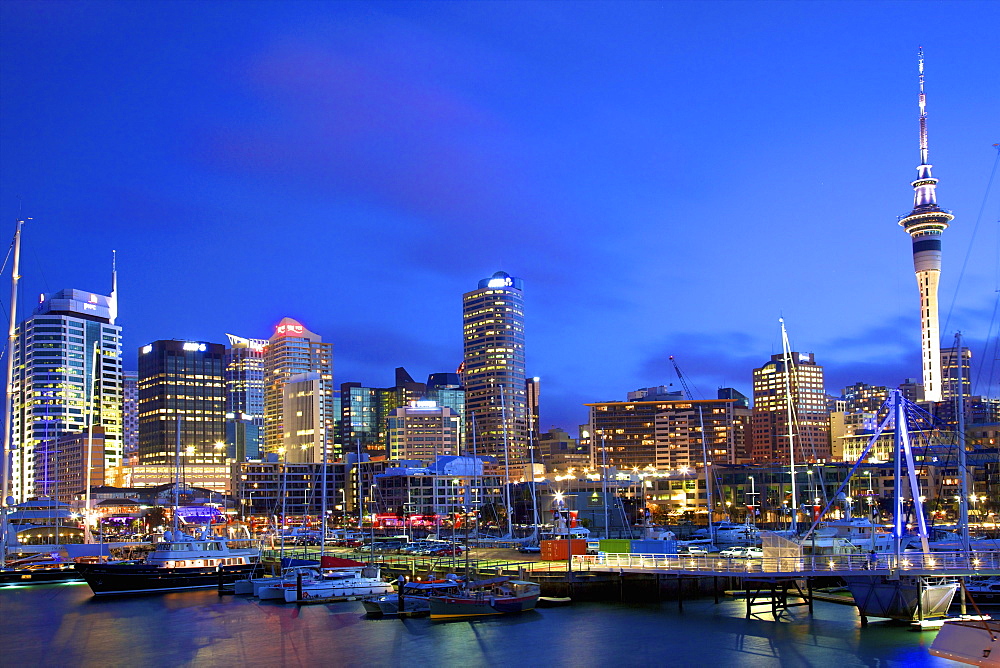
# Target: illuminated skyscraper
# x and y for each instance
(493, 370)
(291, 351)
(924, 225)
(57, 386)
(181, 388)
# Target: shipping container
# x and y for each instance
(616, 545)
(559, 550)
(654, 546)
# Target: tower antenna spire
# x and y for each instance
(924, 224)
(113, 301)
(922, 101)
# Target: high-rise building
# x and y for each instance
(864, 398)
(423, 431)
(810, 427)
(67, 376)
(360, 421)
(130, 416)
(182, 397)
(304, 405)
(493, 370)
(924, 224)
(244, 372)
(291, 351)
(446, 389)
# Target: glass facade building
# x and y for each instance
(182, 388)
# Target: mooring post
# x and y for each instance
(746, 585)
(809, 590)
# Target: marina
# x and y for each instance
(204, 629)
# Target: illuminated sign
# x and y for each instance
(93, 298)
(194, 347)
(289, 330)
(505, 282)
(147, 349)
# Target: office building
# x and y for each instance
(182, 402)
(67, 377)
(291, 351)
(244, 373)
(130, 416)
(810, 424)
(446, 389)
(665, 434)
(493, 370)
(423, 431)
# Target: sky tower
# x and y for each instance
(924, 225)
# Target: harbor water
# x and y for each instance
(64, 625)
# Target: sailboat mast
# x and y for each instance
(177, 473)
(963, 501)
(90, 444)
(786, 350)
(5, 465)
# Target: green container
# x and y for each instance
(616, 545)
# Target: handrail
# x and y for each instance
(943, 562)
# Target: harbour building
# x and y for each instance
(493, 371)
(925, 225)
(182, 396)
(67, 377)
(804, 420)
(291, 351)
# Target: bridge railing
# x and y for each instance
(713, 563)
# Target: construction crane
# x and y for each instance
(680, 376)
(704, 444)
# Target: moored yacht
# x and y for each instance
(177, 562)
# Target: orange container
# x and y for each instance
(559, 550)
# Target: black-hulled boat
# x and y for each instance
(178, 562)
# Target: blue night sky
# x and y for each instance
(668, 178)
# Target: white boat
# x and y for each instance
(973, 642)
(340, 583)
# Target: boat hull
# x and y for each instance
(453, 607)
(321, 590)
(125, 579)
(24, 576)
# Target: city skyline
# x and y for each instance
(642, 167)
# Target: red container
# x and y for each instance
(559, 550)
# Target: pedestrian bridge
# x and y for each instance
(795, 565)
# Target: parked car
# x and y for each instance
(695, 549)
(529, 549)
(742, 553)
